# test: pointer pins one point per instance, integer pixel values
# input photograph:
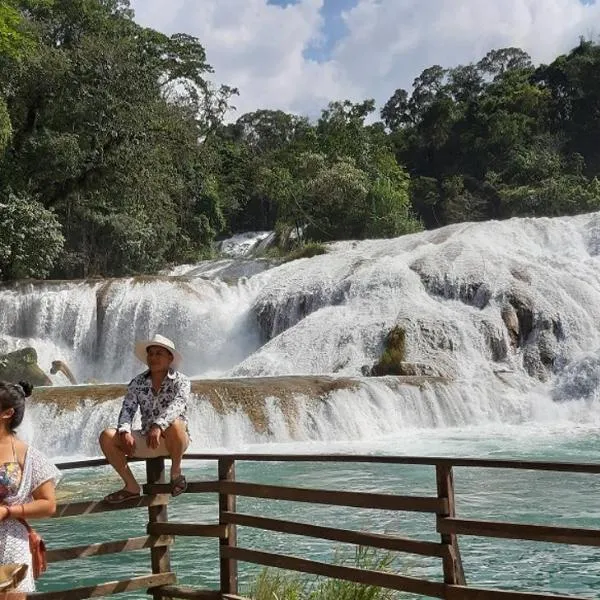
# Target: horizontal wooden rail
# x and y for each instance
(372, 540)
(100, 589)
(187, 593)
(128, 545)
(368, 458)
(365, 576)
(461, 592)
(520, 531)
(193, 487)
(486, 463)
(336, 498)
(74, 509)
(187, 529)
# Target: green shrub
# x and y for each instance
(393, 354)
(282, 585)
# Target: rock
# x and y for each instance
(511, 320)
(393, 354)
(495, 339)
(22, 365)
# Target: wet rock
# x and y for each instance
(511, 320)
(495, 340)
(22, 365)
(392, 358)
(275, 315)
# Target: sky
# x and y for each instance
(298, 55)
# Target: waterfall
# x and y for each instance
(508, 312)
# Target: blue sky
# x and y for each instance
(334, 27)
(298, 55)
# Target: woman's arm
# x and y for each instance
(43, 505)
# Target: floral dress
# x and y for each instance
(16, 487)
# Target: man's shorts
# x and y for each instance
(142, 450)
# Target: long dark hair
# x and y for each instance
(13, 396)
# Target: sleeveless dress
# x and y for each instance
(16, 487)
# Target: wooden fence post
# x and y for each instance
(160, 556)
(228, 566)
(452, 562)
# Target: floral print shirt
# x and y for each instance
(156, 409)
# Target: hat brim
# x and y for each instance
(141, 352)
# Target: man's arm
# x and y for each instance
(177, 406)
(128, 409)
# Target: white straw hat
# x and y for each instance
(141, 349)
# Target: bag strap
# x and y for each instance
(25, 524)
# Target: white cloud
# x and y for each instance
(259, 48)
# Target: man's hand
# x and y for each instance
(153, 437)
(127, 442)
(4, 512)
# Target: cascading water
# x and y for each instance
(505, 311)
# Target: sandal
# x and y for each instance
(120, 496)
(178, 485)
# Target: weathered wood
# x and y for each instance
(188, 529)
(128, 545)
(452, 563)
(365, 576)
(187, 593)
(486, 463)
(74, 509)
(519, 531)
(456, 592)
(381, 459)
(160, 556)
(337, 498)
(373, 540)
(101, 589)
(227, 564)
(194, 487)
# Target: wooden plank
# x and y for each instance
(337, 498)
(234, 597)
(159, 556)
(228, 566)
(194, 487)
(188, 529)
(380, 459)
(101, 589)
(365, 576)
(452, 562)
(74, 509)
(93, 462)
(518, 531)
(128, 545)
(408, 460)
(373, 540)
(457, 592)
(187, 593)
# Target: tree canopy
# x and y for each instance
(115, 136)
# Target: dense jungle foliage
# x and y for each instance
(116, 158)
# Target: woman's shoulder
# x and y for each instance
(21, 449)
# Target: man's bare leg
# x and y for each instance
(176, 441)
(109, 442)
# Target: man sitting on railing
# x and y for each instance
(161, 393)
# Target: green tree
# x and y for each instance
(30, 238)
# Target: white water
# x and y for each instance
(330, 314)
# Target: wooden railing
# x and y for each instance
(162, 582)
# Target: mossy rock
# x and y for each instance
(21, 365)
(392, 359)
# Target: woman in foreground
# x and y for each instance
(27, 482)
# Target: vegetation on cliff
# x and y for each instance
(114, 137)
